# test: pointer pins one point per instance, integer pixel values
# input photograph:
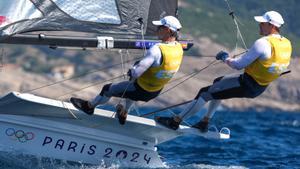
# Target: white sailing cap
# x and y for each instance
(170, 22)
(272, 17)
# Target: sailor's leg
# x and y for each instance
(191, 109)
(123, 90)
(222, 88)
(112, 90)
(123, 111)
(203, 123)
(102, 98)
(194, 107)
(128, 105)
(204, 95)
(107, 92)
(99, 100)
(89, 106)
(227, 87)
(212, 107)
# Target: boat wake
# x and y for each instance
(14, 161)
(17, 161)
(205, 166)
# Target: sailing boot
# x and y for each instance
(202, 125)
(121, 113)
(82, 105)
(212, 107)
(169, 122)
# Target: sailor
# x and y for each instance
(266, 60)
(147, 77)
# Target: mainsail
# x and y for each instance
(126, 22)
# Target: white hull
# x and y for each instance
(49, 128)
(30, 135)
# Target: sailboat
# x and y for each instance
(44, 127)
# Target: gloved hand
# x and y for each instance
(222, 56)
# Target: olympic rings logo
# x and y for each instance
(19, 135)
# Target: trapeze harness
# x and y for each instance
(155, 78)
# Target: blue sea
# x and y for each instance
(258, 140)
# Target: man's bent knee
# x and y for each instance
(218, 79)
(105, 88)
(201, 91)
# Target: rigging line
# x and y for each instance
(174, 114)
(166, 108)
(128, 56)
(200, 56)
(208, 56)
(140, 20)
(231, 13)
(122, 63)
(78, 76)
(143, 39)
(188, 77)
(185, 75)
(93, 84)
(236, 41)
(69, 110)
(191, 75)
(179, 78)
(204, 56)
(124, 91)
(239, 54)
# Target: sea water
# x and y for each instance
(258, 140)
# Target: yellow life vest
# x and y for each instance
(155, 78)
(266, 71)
